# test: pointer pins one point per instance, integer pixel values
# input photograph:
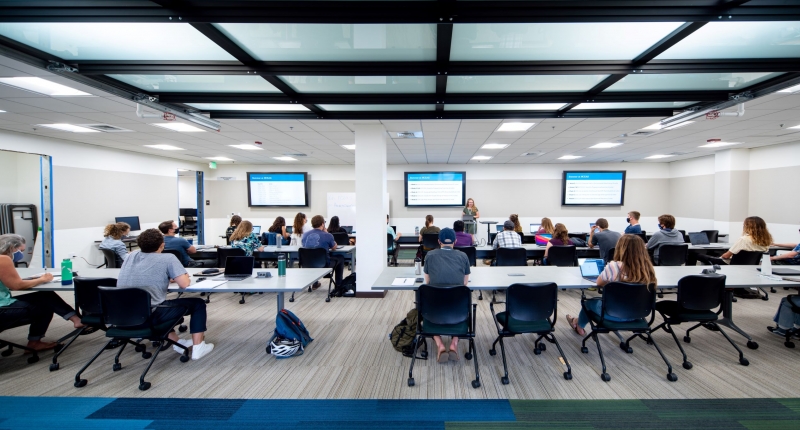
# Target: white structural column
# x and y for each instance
(371, 196)
(731, 191)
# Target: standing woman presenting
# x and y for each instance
(471, 209)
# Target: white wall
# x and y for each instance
(187, 191)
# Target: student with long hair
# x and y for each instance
(279, 227)
(299, 226)
(112, 241)
(334, 227)
(244, 238)
(515, 219)
(755, 237)
(235, 220)
(560, 237)
(428, 229)
(471, 209)
(546, 227)
(631, 264)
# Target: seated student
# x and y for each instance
(560, 237)
(151, 270)
(603, 237)
(507, 238)
(631, 264)
(318, 237)
(392, 247)
(298, 227)
(666, 234)
(428, 229)
(633, 223)
(333, 226)
(791, 257)
(785, 318)
(112, 240)
(462, 239)
(546, 227)
(38, 306)
(755, 237)
(174, 243)
(446, 267)
(235, 220)
(244, 238)
(279, 227)
(515, 219)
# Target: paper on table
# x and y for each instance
(204, 285)
(403, 281)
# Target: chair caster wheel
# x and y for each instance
(537, 351)
(605, 377)
(208, 299)
(327, 299)
(183, 328)
(625, 348)
(116, 366)
(410, 382)
(476, 384)
(291, 299)
(773, 290)
(468, 356)
(568, 376)
(146, 355)
(80, 383)
(33, 359)
(744, 362)
(687, 365)
(671, 377)
(480, 297)
(504, 380)
(184, 358)
(734, 300)
(765, 298)
(140, 348)
(424, 354)
(58, 347)
(144, 386)
(789, 344)
(584, 350)
(492, 352)
(202, 294)
(54, 367)
(7, 352)
(752, 345)
(543, 347)
(241, 302)
(687, 339)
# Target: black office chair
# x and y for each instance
(110, 258)
(445, 311)
(562, 256)
(222, 258)
(698, 296)
(609, 255)
(684, 236)
(342, 239)
(511, 257)
(391, 249)
(530, 308)
(794, 302)
(492, 236)
(127, 311)
(13, 318)
(473, 260)
(642, 236)
(430, 241)
(670, 254)
(634, 303)
(749, 258)
(713, 235)
(521, 236)
(315, 258)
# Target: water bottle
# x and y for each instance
(766, 265)
(281, 264)
(417, 266)
(66, 272)
(416, 230)
(278, 241)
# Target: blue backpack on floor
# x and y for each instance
(288, 326)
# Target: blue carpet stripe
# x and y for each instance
(166, 409)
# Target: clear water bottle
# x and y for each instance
(278, 240)
(66, 272)
(766, 265)
(417, 266)
(416, 230)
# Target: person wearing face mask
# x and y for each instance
(633, 223)
(666, 234)
(39, 306)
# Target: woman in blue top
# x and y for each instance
(244, 238)
(38, 307)
(113, 240)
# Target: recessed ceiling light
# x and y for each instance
(793, 89)
(2, 111)
(408, 134)
(247, 147)
(494, 146)
(350, 147)
(183, 170)
(285, 158)
(165, 147)
(516, 126)
(795, 127)
(657, 156)
(179, 126)
(219, 158)
(605, 145)
(718, 144)
(482, 157)
(42, 86)
(658, 126)
(570, 157)
(69, 127)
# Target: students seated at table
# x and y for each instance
(235, 220)
(666, 234)
(279, 227)
(546, 227)
(602, 237)
(39, 306)
(462, 238)
(633, 223)
(755, 237)
(244, 238)
(174, 243)
(428, 229)
(112, 240)
(334, 227)
(791, 257)
(298, 227)
(150, 270)
(515, 219)
(446, 267)
(507, 238)
(631, 264)
(318, 237)
(560, 237)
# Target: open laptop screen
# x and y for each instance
(257, 229)
(535, 228)
(239, 266)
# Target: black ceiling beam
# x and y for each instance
(444, 39)
(295, 12)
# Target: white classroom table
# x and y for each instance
(272, 251)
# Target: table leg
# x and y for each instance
(727, 319)
(488, 233)
(280, 302)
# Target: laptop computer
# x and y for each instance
(349, 229)
(238, 268)
(289, 229)
(257, 229)
(467, 218)
(535, 228)
(591, 269)
(542, 239)
(701, 239)
(499, 227)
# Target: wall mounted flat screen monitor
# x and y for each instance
(132, 221)
(435, 189)
(277, 189)
(593, 188)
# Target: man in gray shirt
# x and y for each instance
(603, 237)
(150, 270)
(446, 266)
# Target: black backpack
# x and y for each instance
(346, 288)
(403, 334)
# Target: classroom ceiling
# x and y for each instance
(296, 76)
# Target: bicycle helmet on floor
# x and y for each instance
(284, 348)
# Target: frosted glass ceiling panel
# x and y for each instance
(362, 84)
(198, 83)
(738, 40)
(564, 41)
(506, 106)
(690, 81)
(335, 108)
(522, 84)
(643, 105)
(335, 42)
(116, 41)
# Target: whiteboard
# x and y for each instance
(342, 205)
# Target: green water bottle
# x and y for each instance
(66, 272)
(281, 264)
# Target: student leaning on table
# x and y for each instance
(631, 264)
(150, 270)
(39, 307)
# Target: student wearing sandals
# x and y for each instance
(631, 264)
